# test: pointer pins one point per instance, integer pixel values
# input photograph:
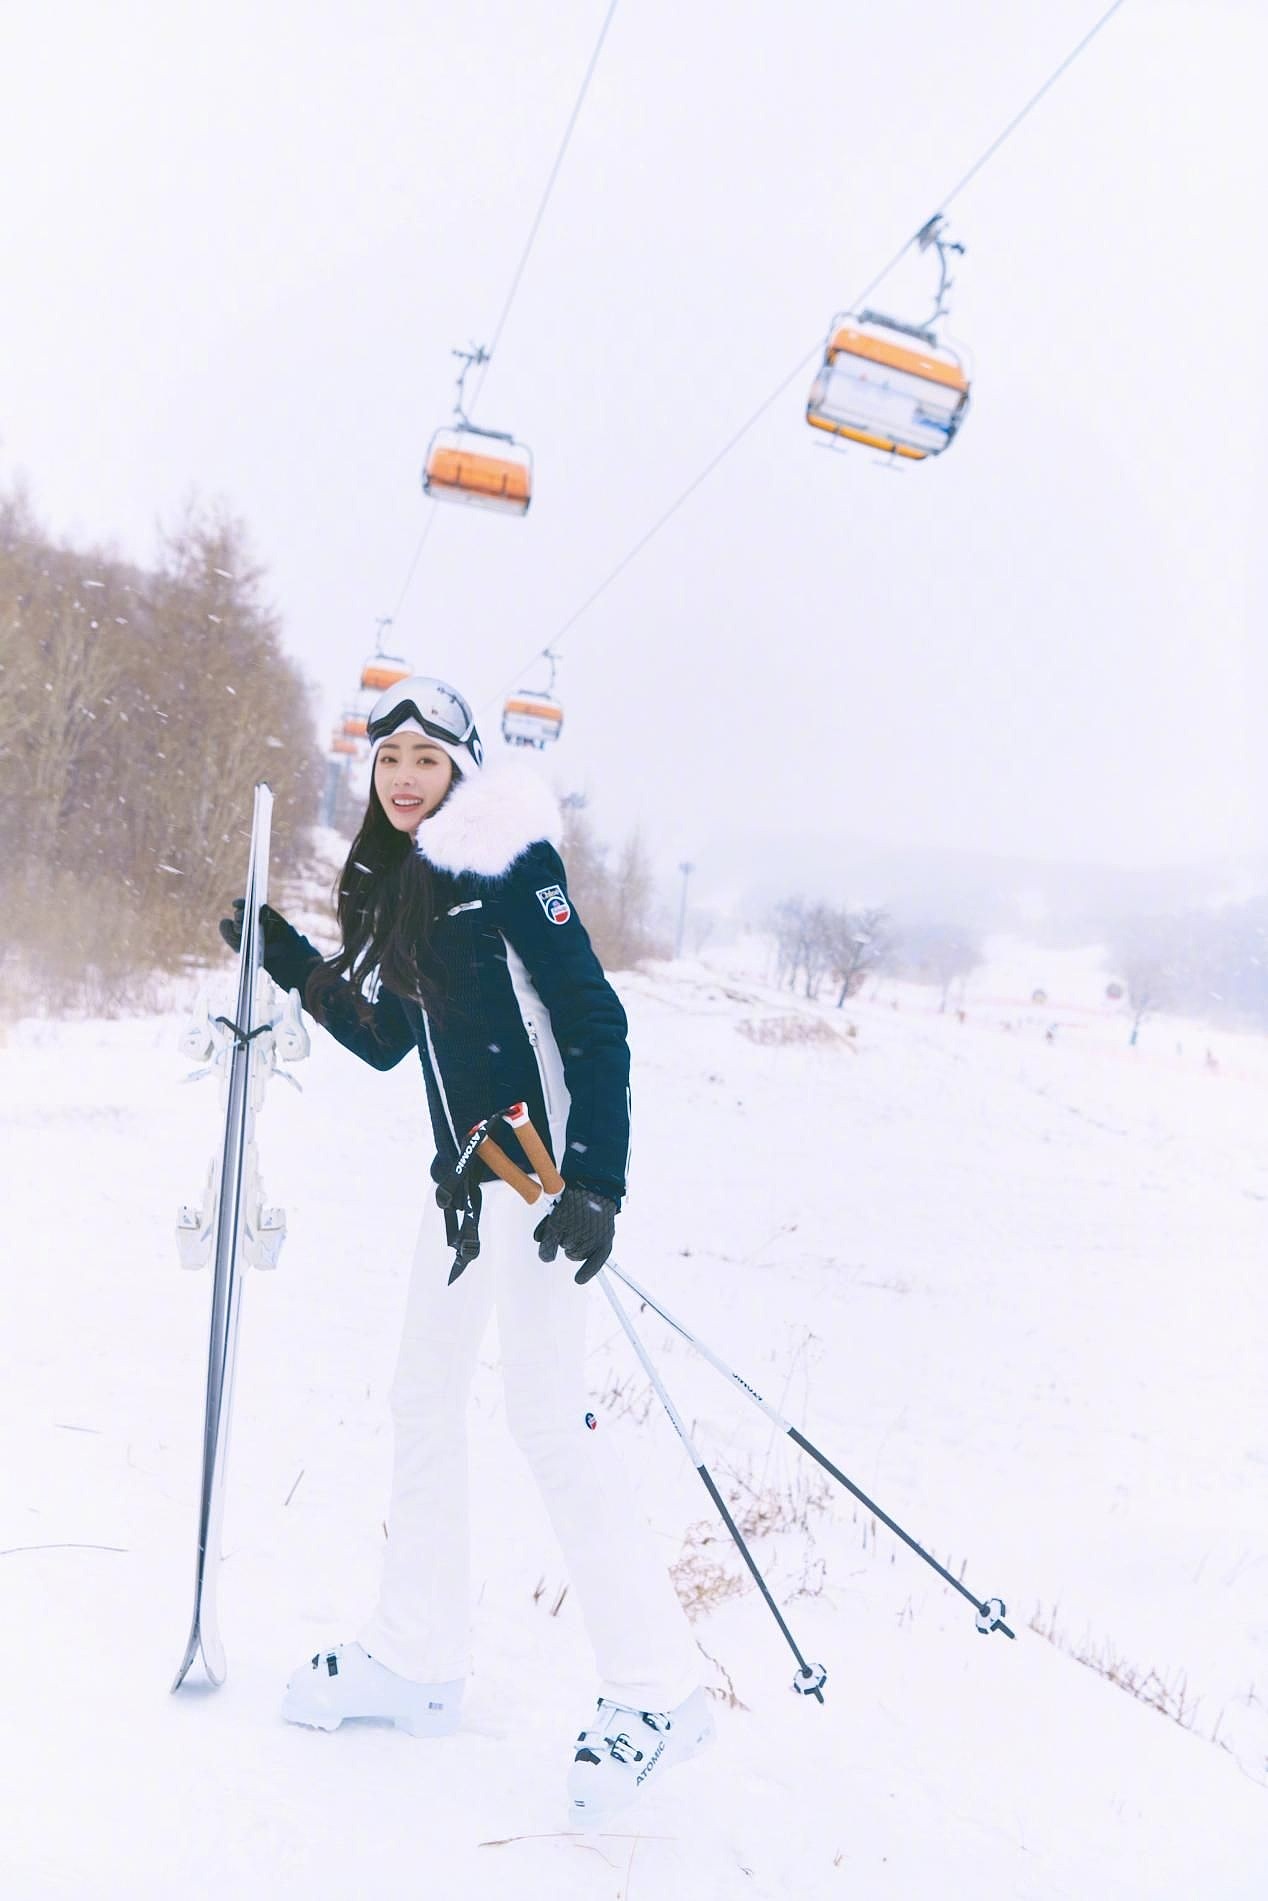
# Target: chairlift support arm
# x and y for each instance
(470, 360)
(933, 233)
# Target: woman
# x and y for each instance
(459, 940)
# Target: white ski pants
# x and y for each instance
(643, 1647)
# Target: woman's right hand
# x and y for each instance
(582, 1223)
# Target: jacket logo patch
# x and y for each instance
(554, 903)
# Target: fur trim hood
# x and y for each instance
(489, 820)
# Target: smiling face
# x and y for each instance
(411, 777)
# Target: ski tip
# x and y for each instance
(186, 1662)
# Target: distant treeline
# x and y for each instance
(614, 891)
(818, 943)
(1211, 964)
(137, 709)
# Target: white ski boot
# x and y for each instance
(621, 1751)
(348, 1682)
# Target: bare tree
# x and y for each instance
(633, 896)
(803, 942)
(1211, 963)
(786, 928)
(614, 893)
(938, 953)
(1147, 974)
(814, 941)
(1143, 989)
(858, 942)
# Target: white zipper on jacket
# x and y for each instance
(531, 1029)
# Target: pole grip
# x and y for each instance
(502, 1165)
(534, 1148)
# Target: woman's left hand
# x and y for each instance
(582, 1223)
(277, 933)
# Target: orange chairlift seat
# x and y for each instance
(458, 469)
(354, 725)
(891, 385)
(486, 467)
(342, 746)
(383, 670)
(532, 717)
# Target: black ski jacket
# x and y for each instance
(527, 1014)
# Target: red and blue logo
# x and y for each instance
(554, 903)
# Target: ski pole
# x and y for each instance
(990, 1613)
(810, 1677)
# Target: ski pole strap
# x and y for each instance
(458, 1193)
(475, 1135)
(462, 1229)
(459, 1197)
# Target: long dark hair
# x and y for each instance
(385, 903)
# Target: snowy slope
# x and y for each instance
(1014, 1287)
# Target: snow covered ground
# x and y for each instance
(1014, 1286)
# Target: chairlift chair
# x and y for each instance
(892, 385)
(342, 746)
(532, 719)
(486, 467)
(460, 469)
(354, 725)
(382, 670)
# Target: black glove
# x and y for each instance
(582, 1223)
(278, 934)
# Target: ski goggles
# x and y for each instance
(442, 713)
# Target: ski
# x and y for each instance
(233, 1228)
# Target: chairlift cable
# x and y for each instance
(816, 348)
(516, 278)
(574, 115)
(1030, 104)
(428, 525)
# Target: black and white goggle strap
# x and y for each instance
(438, 709)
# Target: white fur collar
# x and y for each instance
(490, 820)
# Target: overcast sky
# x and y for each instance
(240, 241)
